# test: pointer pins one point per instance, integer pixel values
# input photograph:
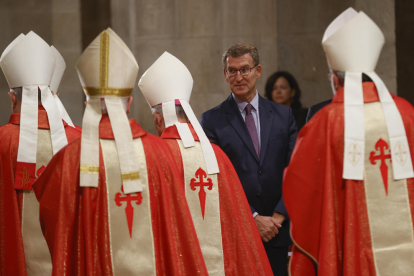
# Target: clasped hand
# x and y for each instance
(268, 226)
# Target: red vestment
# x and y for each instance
(12, 257)
(243, 250)
(332, 219)
(77, 226)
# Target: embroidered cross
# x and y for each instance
(129, 210)
(381, 145)
(354, 154)
(400, 153)
(25, 179)
(201, 175)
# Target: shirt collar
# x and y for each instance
(242, 104)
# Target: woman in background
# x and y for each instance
(282, 88)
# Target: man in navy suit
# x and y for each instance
(258, 136)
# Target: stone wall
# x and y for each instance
(300, 27)
(58, 23)
(288, 34)
(198, 33)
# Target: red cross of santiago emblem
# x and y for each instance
(381, 146)
(129, 210)
(201, 175)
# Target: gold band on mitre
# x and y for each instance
(107, 91)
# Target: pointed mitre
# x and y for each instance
(107, 70)
(352, 44)
(29, 62)
(165, 82)
(11, 45)
(103, 65)
(60, 67)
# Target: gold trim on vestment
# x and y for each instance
(104, 60)
(91, 169)
(389, 215)
(130, 176)
(36, 251)
(131, 245)
(208, 229)
(107, 91)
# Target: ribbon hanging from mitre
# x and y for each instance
(107, 70)
(167, 81)
(28, 62)
(60, 67)
(352, 44)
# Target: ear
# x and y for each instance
(225, 75)
(129, 104)
(14, 99)
(158, 119)
(159, 123)
(336, 81)
(258, 71)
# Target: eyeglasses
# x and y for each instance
(244, 71)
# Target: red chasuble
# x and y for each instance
(19, 228)
(238, 243)
(102, 231)
(347, 227)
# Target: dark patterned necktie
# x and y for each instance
(251, 126)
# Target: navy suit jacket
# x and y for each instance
(315, 108)
(261, 178)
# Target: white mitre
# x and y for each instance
(107, 70)
(29, 62)
(352, 44)
(60, 67)
(166, 81)
(11, 45)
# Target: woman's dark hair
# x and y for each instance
(292, 83)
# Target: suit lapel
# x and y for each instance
(266, 121)
(236, 120)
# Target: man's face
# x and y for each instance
(243, 87)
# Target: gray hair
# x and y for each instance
(341, 77)
(18, 92)
(241, 49)
(178, 110)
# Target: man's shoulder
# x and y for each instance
(73, 147)
(278, 110)
(318, 106)
(73, 133)
(9, 130)
(154, 142)
(215, 110)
